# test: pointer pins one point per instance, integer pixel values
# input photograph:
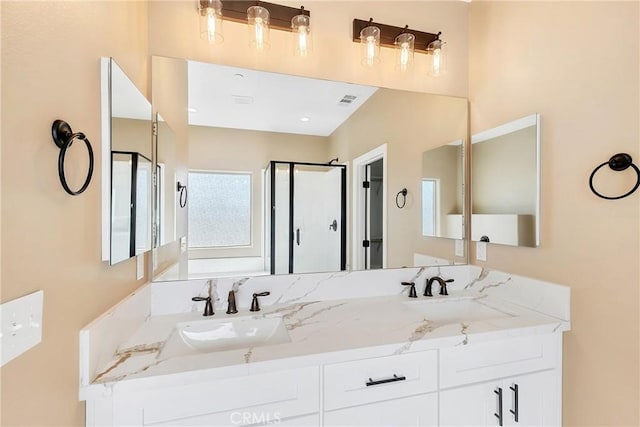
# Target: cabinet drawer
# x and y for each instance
(420, 410)
(345, 384)
(267, 396)
(498, 359)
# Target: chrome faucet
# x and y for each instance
(443, 286)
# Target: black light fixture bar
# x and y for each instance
(279, 16)
(388, 34)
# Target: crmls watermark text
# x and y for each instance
(243, 418)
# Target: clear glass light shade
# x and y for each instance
(405, 48)
(210, 12)
(301, 29)
(258, 20)
(437, 57)
(370, 45)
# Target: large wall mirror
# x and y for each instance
(165, 203)
(302, 174)
(126, 165)
(505, 180)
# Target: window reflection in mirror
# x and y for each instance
(505, 182)
(443, 191)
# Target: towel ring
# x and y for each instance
(402, 193)
(617, 162)
(182, 189)
(63, 137)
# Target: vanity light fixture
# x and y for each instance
(260, 16)
(406, 41)
(369, 44)
(437, 52)
(301, 28)
(210, 12)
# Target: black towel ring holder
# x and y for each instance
(617, 162)
(63, 137)
(402, 193)
(182, 189)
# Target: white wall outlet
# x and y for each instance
(21, 321)
(183, 244)
(459, 247)
(154, 257)
(481, 251)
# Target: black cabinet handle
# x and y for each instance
(298, 236)
(388, 380)
(514, 411)
(498, 393)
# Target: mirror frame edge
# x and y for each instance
(105, 122)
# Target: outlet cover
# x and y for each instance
(459, 248)
(481, 251)
(21, 321)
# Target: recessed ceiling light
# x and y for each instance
(304, 119)
(192, 110)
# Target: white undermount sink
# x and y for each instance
(443, 310)
(208, 335)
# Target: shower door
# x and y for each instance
(308, 229)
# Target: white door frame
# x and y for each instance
(358, 194)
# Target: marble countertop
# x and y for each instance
(321, 332)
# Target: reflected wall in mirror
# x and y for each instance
(443, 191)
(505, 179)
(242, 120)
(127, 167)
(165, 184)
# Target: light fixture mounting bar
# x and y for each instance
(280, 16)
(388, 34)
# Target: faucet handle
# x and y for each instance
(254, 303)
(231, 303)
(443, 286)
(412, 290)
(208, 307)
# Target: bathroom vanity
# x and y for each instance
(331, 349)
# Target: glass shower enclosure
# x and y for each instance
(305, 217)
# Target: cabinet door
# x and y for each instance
(535, 398)
(421, 410)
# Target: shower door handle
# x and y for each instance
(298, 236)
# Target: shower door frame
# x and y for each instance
(343, 210)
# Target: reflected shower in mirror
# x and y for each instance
(505, 179)
(242, 120)
(127, 173)
(443, 191)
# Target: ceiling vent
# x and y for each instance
(347, 100)
(242, 99)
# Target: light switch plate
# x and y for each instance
(21, 321)
(140, 266)
(459, 247)
(481, 251)
(183, 244)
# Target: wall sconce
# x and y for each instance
(210, 12)
(260, 16)
(404, 40)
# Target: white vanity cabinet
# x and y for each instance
(484, 391)
(398, 390)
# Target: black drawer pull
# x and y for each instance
(498, 393)
(514, 411)
(388, 380)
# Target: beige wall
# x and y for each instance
(575, 63)
(51, 69)
(409, 123)
(220, 149)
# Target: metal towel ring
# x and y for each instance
(402, 193)
(63, 137)
(182, 189)
(617, 162)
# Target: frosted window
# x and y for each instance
(219, 209)
(429, 207)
